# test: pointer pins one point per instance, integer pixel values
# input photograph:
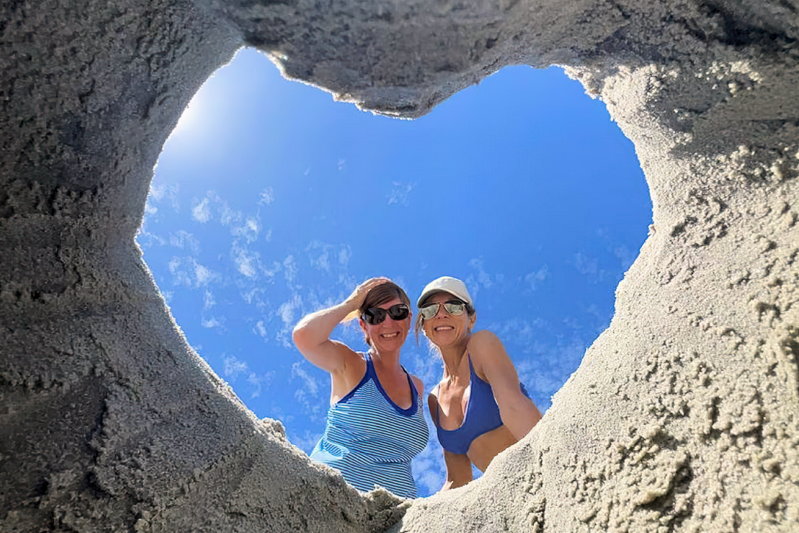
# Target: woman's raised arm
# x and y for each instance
(312, 334)
(518, 412)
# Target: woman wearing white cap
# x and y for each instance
(479, 407)
(375, 424)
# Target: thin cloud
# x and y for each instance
(589, 267)
(322, 262)
(159, 192)
(258, 382)
(210, 323)
(323, 255)
(260, 330)
(208, 300)
(534, 279)
(344, 257)
(483, 278)
(585, 265)
(248, 229)
(146, 239)
(184, 240)
(228, 215)
(267, 196)
(399, 194)
(247, 262)
(286, 312)
(625, 256)
(287, 309)
(187, 271)
(204, 275)
(306, 441)
(309, 389)
(290, 269)
(201, 212)
(234, 367)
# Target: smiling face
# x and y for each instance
(444, 329)
(390, 334)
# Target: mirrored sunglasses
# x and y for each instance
(453, 307)
(376, 315)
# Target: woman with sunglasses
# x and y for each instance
(375, 424)
(479, 407)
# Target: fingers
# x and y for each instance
(370, 284)
(361, 291)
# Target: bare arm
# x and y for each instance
(518, 412)
(459, 466)
(459, 470)
(312, 333)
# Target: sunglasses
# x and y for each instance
(376, 315)
(453, 307)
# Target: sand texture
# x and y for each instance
(682, 415)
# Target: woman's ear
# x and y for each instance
(472, 320)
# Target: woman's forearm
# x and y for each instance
(520, 416)
(315, 328)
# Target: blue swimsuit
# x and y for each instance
(371, 440)
(482, 415)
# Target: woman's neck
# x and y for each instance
(453, 356)
(385, 359)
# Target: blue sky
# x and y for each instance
(271, 200)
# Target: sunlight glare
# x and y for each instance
(191, 119)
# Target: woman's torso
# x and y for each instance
(371, 439)
(468, 419)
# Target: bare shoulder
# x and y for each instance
(487, 353)
(419, 385)
(484, 344)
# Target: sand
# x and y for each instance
(683, 413)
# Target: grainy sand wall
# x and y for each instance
(683, 414)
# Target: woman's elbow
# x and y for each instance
(300, 336)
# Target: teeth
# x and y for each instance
(389, 335)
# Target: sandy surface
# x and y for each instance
(683, 414)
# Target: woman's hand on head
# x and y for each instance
(358, 296)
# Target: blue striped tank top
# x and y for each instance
(371, 440)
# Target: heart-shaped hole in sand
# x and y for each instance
(270, 201)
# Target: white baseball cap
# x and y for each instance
(453, 286)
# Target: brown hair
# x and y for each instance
(417, 327)
(385, 292)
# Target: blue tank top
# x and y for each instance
(371, 440)
(481, 416)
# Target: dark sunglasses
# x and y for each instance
(453, 307)
(376, 315)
